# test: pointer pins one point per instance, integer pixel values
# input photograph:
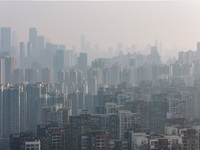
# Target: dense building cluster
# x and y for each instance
(118, 117)
(53, 99)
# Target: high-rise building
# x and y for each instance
(154, 56)
(73, 100)
(34, 106)
(14, 44)
(11, 113)
(47, 75)
(1, 110)
(126, 75)
(31, 75)
(126, 121)
(198, 51)
(10, 66)
(98, 63)
(61, 76)
(115, 74)
(132, 62)
(90, 103)
(56, 113)
(82, 63)
(5, 39)
(77, 102)
(79, 125)
(33, 38)
(69, 58)
(81, 101)
(40, 42)
(29, 49)
(83, 43)
(157, 115)
(75, 76)
(52, 136)
(107, 76)
(58, 61)
(22, 53)
(46, 58)
(67, 76)
(13, 110)
(18, 76)
(92, 77)
(2, 70)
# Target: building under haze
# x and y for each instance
(33, 38)
(47, 75)
(5, 39)
(22, 54)
(119, 103)
(82, 63)
(18, 76)
(82, 43)
(59, 61)
(2, 70)
(10, 66)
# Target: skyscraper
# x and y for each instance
(115, 74)
(40, 42)
(58, 61)
(83, 43)
(33, 38)
(10, 66)
(73, 98)
(2, 70)
(69, 58)
(47, 75)
(22, 53)
(29, 49)
(11, 106)
(154, 56)
(92, 80)
(18, 76)
(31, 75)
(82, 63)
(33, 105)
(61, 76)
(1, 110)
(5, 39)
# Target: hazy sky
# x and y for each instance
(107, 23)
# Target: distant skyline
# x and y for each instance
(175, 23)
